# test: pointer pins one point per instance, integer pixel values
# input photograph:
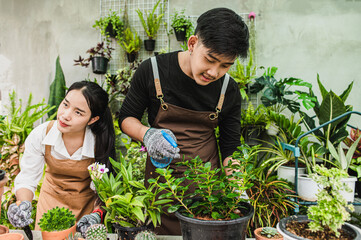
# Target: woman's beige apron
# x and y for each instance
(66, 184)
(195, 135)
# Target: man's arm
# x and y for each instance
(134, 128)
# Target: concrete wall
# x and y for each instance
(301, 38)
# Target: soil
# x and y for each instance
(301, 229)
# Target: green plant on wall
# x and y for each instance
(151, 22)
(180, 22)
(57, 88)
(110, 25)
(131, 41)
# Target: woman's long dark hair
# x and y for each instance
(103, 129)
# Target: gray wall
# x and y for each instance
(301, 38)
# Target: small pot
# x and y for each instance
(288, 173)
(129, 233)
(180, 35)
(100, 64)
(131, 57)
(149, 44)
(12, 236)
(110, 30)
(258, 236)
(3, 181)
(59, 235)
(3, 229)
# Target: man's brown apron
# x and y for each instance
(66, 184)
(195, 135)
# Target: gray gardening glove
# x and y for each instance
(157, 146)
(20, 216)
(86, 221)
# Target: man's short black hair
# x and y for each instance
(223, 32)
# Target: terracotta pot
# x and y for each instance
(258, 236)
(3, 181)
(60, 235)
(3, 229)
(12, 236)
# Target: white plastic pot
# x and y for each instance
(288, 173)
(307, 188)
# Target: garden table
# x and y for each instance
(112, 236)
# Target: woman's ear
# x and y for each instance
(192, 41)
(93, 120)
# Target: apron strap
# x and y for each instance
(160, 95)
(157, 85)
(50, 125)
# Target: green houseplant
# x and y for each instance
(151, 23)
(131, 206)
(265, 233)
(57, 88)
(181, 24)
(99, 56)
(324, 220)
(110, 25)
(217, 200)
(57, 223)
(130, 44)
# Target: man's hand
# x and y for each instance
(86, 221)
(157, 146)
(20, 214)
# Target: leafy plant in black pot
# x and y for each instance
(110, 25)
(99, 56)
(130, 44)
(180, 24)
(216, 209)
(151, 24)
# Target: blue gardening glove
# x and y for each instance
(19, 214)
(157, 146)
(86, 221)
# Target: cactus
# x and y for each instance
(269, 232)
(96, 232)
(145, 235)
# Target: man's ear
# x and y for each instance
(192, 42)
(93, 120)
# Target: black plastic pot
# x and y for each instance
(131, 57)
(251, 134)
(149, 44)
(195, 229)
(100, 64)
(180, 35)
(127, 233)
(2, 174)
(281, 227)
(110, 30)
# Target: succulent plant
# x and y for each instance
(269, 232)
(145, 235)
(96, 232)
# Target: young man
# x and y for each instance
(188, 94)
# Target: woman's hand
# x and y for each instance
(19, 214)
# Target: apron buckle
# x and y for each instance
(214, 116)
(162, 103)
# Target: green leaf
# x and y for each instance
(173, 208)
(57, 88)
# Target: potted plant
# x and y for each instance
(3, 181)
(146, 235)
(99, 56)
(180, 24)
(130, 44)
(96, 232)
(131, 206)
(216, 209)
(355, 167)
(110, 25)
(57, 224)
(151, 24)
(244, 74)
(326, 220)
(265, 233)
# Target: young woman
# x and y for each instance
(82, 134)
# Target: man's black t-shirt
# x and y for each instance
(183, 91)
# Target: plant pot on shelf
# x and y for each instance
(259, 236)
(100, 64)
(234, 229)
(129, 233)
(12, 236)
(149, 44)
(131, 57)
(303, 219)
(180, 35)
(308, 188)
(288, 173)
(60, 235)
